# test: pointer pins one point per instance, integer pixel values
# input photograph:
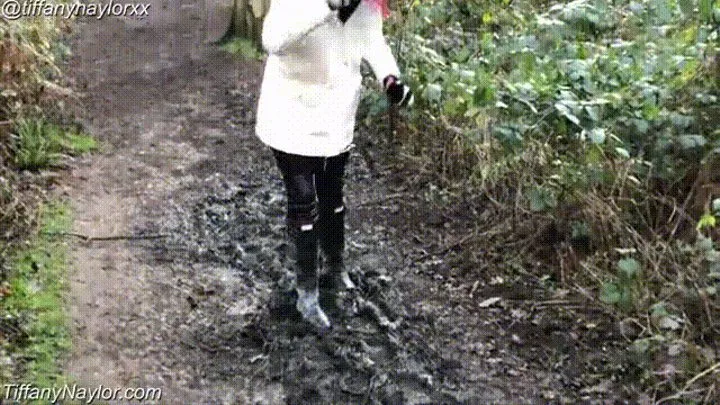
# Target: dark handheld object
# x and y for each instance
(398, 92)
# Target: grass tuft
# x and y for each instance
(40, 145)
(35, 297)
(242, 47)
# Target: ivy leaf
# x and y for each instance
(692, 141)
(706, 221)
(686, 6)
(704, 244)
(629, 268)
(565, 112)
(716, 205)
(483, 95)
(542, 199)
(593, 112)
(641, 126)
(597, 136)
(433, 92)
(610, 293)
(658, 310)
(662, 10)
(681, 121)
(487, 18)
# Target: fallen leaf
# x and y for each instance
(670, 323)
(488, 302)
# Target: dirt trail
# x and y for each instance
(202, 312)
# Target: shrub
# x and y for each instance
(595, 122)
(29, 86)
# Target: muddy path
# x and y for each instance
(194, 299)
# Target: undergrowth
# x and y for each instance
(35, 135)
(590, 130)
(30, 86)
(35, 321)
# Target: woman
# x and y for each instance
(306, 114)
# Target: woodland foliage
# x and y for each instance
(595, 125)
(30, 52)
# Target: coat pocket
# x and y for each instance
(309, 66)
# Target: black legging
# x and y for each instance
(315, 209)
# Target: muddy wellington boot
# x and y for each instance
(309, 307)
(332, 243)
(306, 257)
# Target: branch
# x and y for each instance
(87, 238)
(690, 383)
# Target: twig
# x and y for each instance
(546, 114)
(690, 383)
(490, 198)
(706, 400)
(549, 303)
(102, 238)
(384, 199)
(701, 375)
(446, 249)
(450, 127)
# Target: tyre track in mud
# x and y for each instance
(206, 312)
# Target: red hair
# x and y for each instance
(382, 6)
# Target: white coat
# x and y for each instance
(311, 87)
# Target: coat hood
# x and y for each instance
(380, 5)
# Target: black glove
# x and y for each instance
(345, 8)
(398, 93)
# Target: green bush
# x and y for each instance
(596, 81)
(30, 50)
(598, 119)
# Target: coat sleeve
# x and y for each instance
(376, 50)
(288, 21)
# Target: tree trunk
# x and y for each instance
(248, 17)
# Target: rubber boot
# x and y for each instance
(309, 307)
(306, 259)
(332, 242)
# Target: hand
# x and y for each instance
(337, 4)
(398, 93)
